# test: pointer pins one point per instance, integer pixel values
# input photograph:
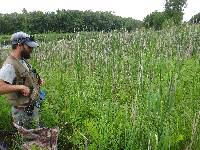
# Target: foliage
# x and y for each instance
(64, 21)
(121, 90)
(154, 20)
(174, 10)
(172, 15)
(195, 19)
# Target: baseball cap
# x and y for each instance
(22, 37)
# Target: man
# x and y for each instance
(19, 81)
(21, 84)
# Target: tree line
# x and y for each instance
(64, 21)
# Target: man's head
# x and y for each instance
(24, 43)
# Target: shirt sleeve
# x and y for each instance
(7, 73)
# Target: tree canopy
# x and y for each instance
(64, 21)
(195, 19)
(174, 10)
(172, 15)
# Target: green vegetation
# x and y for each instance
(195, 19)
(171, 16)
(155, 20)
(174, 10)
(63, 21)
(121, 90)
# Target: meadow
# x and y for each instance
(120, 90)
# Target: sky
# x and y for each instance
(137, 9)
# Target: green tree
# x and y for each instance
(195, 19)
(130, 24)
(64, 21)
(174, 10)
(154, 20)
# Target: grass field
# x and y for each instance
(120, 90)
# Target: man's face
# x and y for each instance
(26, 51)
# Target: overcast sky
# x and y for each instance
(136, 9)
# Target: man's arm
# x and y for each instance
(6, 88)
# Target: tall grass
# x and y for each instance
(125, 90)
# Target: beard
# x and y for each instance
(25, 54)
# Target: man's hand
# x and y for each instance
(24, 90)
